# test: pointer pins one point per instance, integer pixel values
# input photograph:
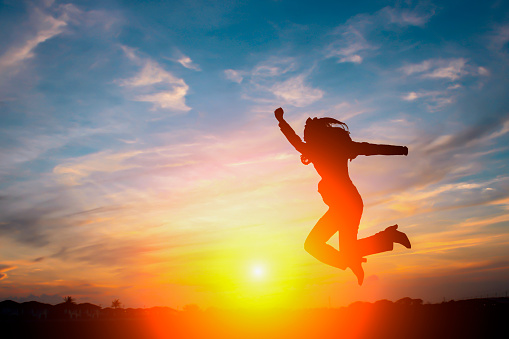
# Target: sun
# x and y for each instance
(258, 271)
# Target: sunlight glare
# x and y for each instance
(258, 271)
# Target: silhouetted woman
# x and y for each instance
(329, 147)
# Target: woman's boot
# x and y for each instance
(397, 236)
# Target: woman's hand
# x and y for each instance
(279, 114)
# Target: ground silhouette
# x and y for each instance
(405, 318)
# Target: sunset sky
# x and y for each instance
(140, 158)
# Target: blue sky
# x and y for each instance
(138, 145)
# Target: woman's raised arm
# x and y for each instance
(288, 131)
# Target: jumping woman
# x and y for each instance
(327, 144)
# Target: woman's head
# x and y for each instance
(329, 130)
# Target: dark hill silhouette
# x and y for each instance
(405, 318)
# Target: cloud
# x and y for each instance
(350, 45)
(499, 37)
(110, 252)
(183, 60)
(346, 110)
(156, 85)
(453, 195)
(416, 68)
(173, 99)
(274, 67)
(263, 83)
(188, 63)
(435, 100)
(30, 145)
(353, 42)
(439, 177)
(233, 75)
(45, 27)
(483, 71)
(417, 16)
(484, 130)
(5, 268)
(295, 92)
(33, 219)
(106, 20)
(73, 171)
(452, 69)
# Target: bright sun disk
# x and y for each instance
(258, 271)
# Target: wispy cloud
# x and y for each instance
(456, 195)
(274, 67)
(278, 81)
(295, 92)
(156, 85)
(435, 100)
(188, 63)
(499, 37)
(417, 16)
(439, 178)
(233, 75)
(45, 27)
(347, 110)
(5, 268)
(353, 42)
(46, 22)
(452, 69)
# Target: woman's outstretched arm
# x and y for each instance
(288, 131)
(365, 148)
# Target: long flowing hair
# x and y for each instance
(320, 133)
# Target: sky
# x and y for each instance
(140, 157)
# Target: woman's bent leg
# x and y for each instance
(349, 245)
(316, 242)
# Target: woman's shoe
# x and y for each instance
(398, 237)
(358, 271)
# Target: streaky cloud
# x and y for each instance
(4, 268)
(188, 63)
(45, 26)
(277, 81)
(417, 16)
(452, 69)
(296, 93)
(354, 43)
(149, 80)
(233, 75)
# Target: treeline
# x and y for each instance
(405, 318)
(69, 310)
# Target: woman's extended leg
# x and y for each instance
(382, 241)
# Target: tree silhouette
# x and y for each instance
(116, 304)
(69, 300)
(192, 308)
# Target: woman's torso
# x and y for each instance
(336, 187)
